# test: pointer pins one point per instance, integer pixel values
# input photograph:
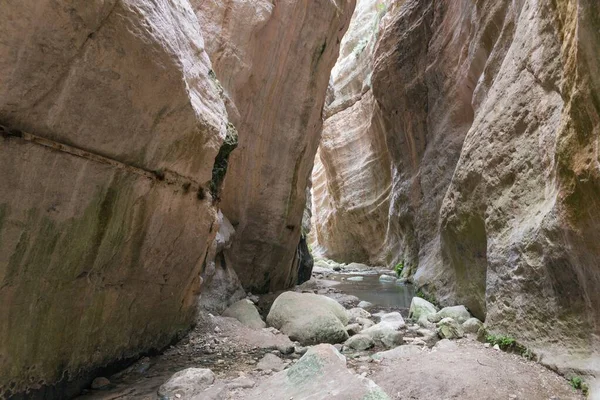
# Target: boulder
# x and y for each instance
(420, 307)
(365, 305)
(245, 311)
(386, 331)
(360, 342)
(186, 384)
(398, 352)
(393, 319)
(355, 313)
(320, 374)
(270, 362)
(309, 318)
(457, 313)
(448, 328)
(472, 325)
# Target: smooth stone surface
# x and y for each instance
(420, 307)
(246, 312)
(320, 374)
(309, 318)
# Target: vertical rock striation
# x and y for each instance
(491, 120)
(273, 61)
(352, 172)
(113, 125)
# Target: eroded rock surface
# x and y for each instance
(352, 172)
(273, 62)
(491, 123)
(103, 229)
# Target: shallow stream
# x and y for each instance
(386, 294)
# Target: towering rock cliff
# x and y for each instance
(491, 119)
(352, 173)
(111, 125)
(273, 60)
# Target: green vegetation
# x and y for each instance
(399, 268)
(504, 342)
(578, 384)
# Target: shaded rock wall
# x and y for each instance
(273, 61)
(114, 128)
(491, 119)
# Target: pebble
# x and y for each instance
(217, 329)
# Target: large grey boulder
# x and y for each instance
(309, 318)
(420, 307)
(457, 313)
(320, 374)
(245, 311)
(186, 384)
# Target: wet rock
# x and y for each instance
(457, 313)
(187, 383)
(100, 383)
(270, 362)
(398, 352)
(321, 374)
(420, 308)
(472, 325)
(245, 311)
(448, 328)
(360, 342)
(309, 318)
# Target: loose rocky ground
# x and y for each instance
(384, 357)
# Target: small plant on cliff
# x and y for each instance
(504, 342)
(399, 268)
(577, 383)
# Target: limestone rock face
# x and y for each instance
(352, 172)
(490, 117)
(273, 61)
(102, 231)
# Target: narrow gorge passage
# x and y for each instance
(299, 199)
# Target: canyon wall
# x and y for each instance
(273, 60)
(110, 128)
(352, 172)
(491, 119)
